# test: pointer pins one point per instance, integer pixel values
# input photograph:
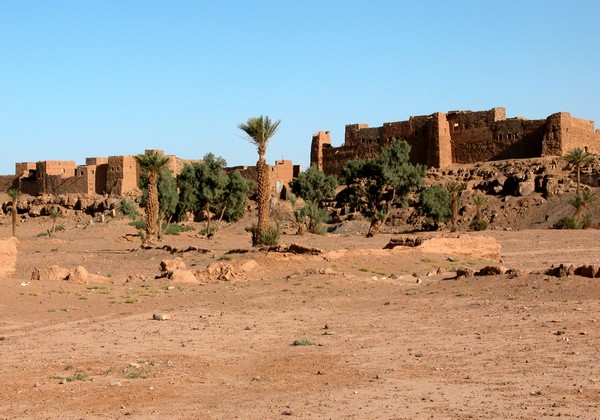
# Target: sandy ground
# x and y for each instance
(382, 344)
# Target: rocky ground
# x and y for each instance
(333, 326)
(378, 333)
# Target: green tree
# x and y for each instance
(435, 203)
(212, 181)
(313, 186)
(205, 186)
(578, 158)
(378, 186)
(236, 193)
(152, 163)
(259, 131)
(188, 190)
(14, 194)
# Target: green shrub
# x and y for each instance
(138, 224)
(208, 231)
(434, 202)
(270, 237)
(176, 229)
(303, 342)
(568, 222)
(59, 228)
(128, 208)
(478, 224)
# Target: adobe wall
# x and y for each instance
(282, 173)
(8, 182)
(122, 175)
(439, 139)
(57, 184)
(320, 140)
(62, 168)
(513, 138)
(25, 169)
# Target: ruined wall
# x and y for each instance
(62, 168)
(8, 182)
(439, 139)
(319, 141)
(579, 133)
(57, 184)
(506, 139)
(282, 173)
(25, 169)
(439, 152)
(122, 175)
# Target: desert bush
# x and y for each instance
(129, 209)
(138, 224)
(269, 237)
(313, 186)
(571, 222)
(434, 202)
(176, 229)
(478, 224)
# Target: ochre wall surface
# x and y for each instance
(441, 139)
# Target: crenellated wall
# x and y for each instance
(440, 139)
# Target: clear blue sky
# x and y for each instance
(99, 77)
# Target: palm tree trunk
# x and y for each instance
(152, 208)
(454, 207)
(15, 219)
(264, 196)
(578, 178)
(208, 217)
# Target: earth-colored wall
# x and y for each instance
(439, 140)
(122, 175)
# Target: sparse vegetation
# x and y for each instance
(303, 342)
(434, 202)
(479, 223)
(313, 186)
(379, 186)
(129, 209)
(176, 229)
(579, 157)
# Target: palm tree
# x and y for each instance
(152, 163)
(580, 202)
(454, 189)
(14, 194)
(479, 201)
(578, 158)
(259, 131)
(54, 215)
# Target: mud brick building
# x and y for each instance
(442, 139)
(115, 175)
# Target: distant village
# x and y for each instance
(436, 140)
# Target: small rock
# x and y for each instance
(115, 383)
(464, 272)
(161, 317)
